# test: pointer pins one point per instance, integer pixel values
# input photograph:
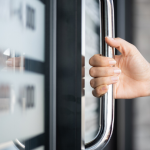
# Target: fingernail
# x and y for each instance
(105, 87)
(110, 38)
(9, 63)
(112, 62)
(117, 71)
(115, 79)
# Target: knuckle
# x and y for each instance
(103, 81)
(106, 71)
(92, 59)
(91, 72)
(97, 92)
(95, 56)
(118, 38)
(93, 92)
(92, 83)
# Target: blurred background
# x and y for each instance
(132, 119)
(132, 122)
(25, 98)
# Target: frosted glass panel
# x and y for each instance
(21, 70)
(92, 39)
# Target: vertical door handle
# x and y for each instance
(107, 113)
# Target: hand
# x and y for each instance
(131, 74)
(15, 62)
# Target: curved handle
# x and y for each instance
(19, 145)
(107, 112)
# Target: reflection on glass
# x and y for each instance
(8, 146)
(11, 61)
(21, 72)
(19, 62)
(5, 98)
(91, 47)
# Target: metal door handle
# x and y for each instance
(19, 145)
(107, 118)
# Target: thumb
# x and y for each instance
(121, 45)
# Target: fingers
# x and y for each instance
(104, 71)
(113, 42)
(100, 61)
(123, 46)
(99, 91)
(104, 74)
(14, 62)
(103, 81)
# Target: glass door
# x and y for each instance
(70, 80)
(25, 74)
(92, 47)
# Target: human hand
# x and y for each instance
(15, 62)
(131, 74)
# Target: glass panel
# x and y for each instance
(21, 71)
(92, 46)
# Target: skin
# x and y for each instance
(131, 76)
(14, 62)
(10, 62)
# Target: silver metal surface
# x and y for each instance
(92, 47)
(53, 52)
(19, 144)
(107, 118)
